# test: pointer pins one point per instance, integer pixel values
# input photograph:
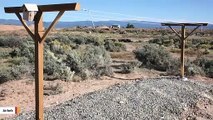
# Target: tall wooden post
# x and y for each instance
(182, 50)
(183, 38)
(39, 66)
(39, 37)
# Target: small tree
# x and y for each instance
(130, 25)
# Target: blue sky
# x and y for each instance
(147, 10)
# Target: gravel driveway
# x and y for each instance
(152, 99)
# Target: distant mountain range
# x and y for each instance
(137, 24)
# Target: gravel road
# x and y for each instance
(152, 99)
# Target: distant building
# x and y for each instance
(116, 26)
(103, 27)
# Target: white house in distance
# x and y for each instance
(29, 11)
(116, 26)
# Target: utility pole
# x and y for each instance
(93, 24)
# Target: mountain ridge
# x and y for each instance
(63, 24)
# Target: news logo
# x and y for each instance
(10, 110)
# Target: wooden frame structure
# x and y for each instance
(183, 37)
(39, 36)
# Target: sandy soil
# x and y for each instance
(10, 27)
(21, 93)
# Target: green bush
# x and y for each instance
(89, 61)
(206, 64)
(114, 46)
(5, 52)
(87, 40)
(54, 68)
(129, 67)
(155, 57)
(60, 38)
(10, 41)
(164, 40)
(16, 70)
(26, 49)
(5, 74)
(59, 47)
(191, 69)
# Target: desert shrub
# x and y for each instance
(206, 64)
(10, 41)
(200, 43)
(62, 38)
(155, 57)
(191, 69)
(206, 51)
(164, 40)
(96, 58)
(17, 71)
(129, 67)
(25, 49)
(5, 74)
(114, 46)
(5, 52)
(54, 68)
(90, 61)
(59, 47)
(18, 68)
(21, 67)
(81, 39)
(18, 60)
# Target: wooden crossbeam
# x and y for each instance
(46, 8)
(184, 24)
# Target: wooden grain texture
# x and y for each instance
(39, 49)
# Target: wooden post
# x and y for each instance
(39, 66)
(182, 50)
(183, 37)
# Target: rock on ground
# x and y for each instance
(155, 99)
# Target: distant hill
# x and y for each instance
(9, 22)
(137, 24)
